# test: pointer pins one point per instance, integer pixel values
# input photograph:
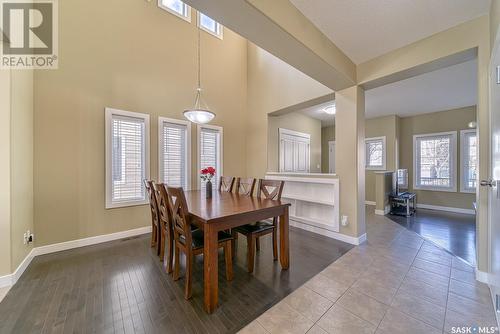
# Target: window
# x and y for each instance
(210, 151)
(375, 153)
(209, 25)
(174, 152)
(127, 157)
(468, 164)
(176, 7)
(434, 161)
(294, 154)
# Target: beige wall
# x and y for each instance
(327, 134)
(494, 21)
(109, 61)
(451, 120)
(296, 122)
(21, 163)
(381, 127)
(5, 172)
(272, 85)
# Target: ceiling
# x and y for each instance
(444, 89)
(365, 29)
(318, 113)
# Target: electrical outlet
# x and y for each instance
(25, 238)
(344, 221)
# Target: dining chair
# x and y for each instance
(226, 183)
(165, 219)
(267, 189)
(245, 186)
(155, 225)
(191, 242)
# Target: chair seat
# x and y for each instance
(254, 228)
(198, 238)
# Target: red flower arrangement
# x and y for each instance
(207, 173)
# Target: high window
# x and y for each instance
(127, 157)
(174, 154)
(468, 172)
(209, 25)
(210, 150)
(177, 8)
(434, 161)
(375, 153)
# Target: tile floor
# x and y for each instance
(394, 283)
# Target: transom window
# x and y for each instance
(127, 157)
(434, 161)
(375, 153)
(468, 172)
(176, 7)
(174, 152)
(209, 25)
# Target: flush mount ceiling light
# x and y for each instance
(472, 125)
(330, 110)
(200, 113)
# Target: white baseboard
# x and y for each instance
(370, 203)
(330, 234)
(446, 208)
(11, 279)
(62, 246)
(384, 212)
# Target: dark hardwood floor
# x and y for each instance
(454, 232)
(121, 287)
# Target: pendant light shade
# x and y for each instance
(200, 113)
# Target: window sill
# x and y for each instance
(126, 204)
(448, 190)
(382, 168)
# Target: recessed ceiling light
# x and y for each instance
(330, 110)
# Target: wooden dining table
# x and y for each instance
(225, 211)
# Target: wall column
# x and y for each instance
(350, 158)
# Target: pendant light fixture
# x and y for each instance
(200, 113)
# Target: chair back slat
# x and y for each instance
(245, 186)
(226, 183)
(162, 201)
(270, 189)
(153, 204)
(180, 213)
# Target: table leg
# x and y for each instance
(284, 240)
(210, 277)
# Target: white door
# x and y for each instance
(294, 151)
(493, 183)
(331, 157)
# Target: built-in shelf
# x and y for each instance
(308, 194)
(305, 199)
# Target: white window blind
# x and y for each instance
(127, 157)
(209, 25)
(375, 153)
(176, 7)
(210, 149)
(468, 143)
(434, 159)
(174, 152)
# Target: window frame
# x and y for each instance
(463, 156)
(221, 150)
(162, 120)
(109, 112)
(453, 162)
(384, 153)
(220, 35)
(171, 11)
